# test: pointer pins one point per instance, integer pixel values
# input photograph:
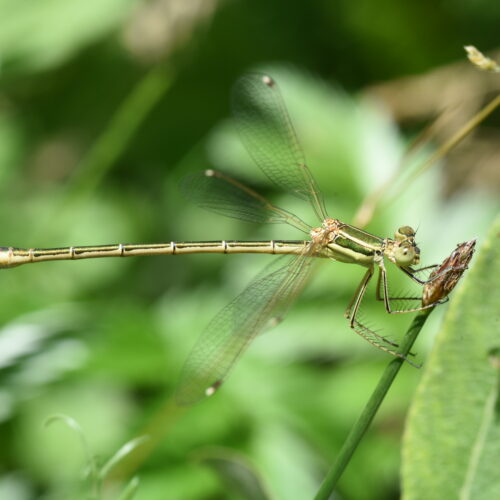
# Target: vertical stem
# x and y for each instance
(124, 124)
(361, 426)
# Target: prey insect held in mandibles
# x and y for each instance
(268, 134)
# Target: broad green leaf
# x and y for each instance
(451, 447)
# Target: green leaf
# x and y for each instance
(130, 490)
(123, 452)
(451, 447)
(72, 424)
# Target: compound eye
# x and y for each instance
(405, 254)
(404, 233)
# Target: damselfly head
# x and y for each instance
(404, 251)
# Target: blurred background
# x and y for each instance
(104, 106)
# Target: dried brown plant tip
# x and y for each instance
(479, 60)
(444, 279)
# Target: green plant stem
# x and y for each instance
(115, 138)
(361, 426)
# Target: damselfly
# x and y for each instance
(267, 133)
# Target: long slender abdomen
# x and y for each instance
(11, 256)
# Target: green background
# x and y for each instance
(104, 106)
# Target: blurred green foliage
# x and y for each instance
(104, 106)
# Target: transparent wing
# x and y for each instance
(223, 195)
(262, 304)
(268, 134)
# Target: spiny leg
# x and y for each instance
(412, 272)
(385, 290)
(358, 294)
(380, 296)
(369, 335)
(372, 337)
(359, 328)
